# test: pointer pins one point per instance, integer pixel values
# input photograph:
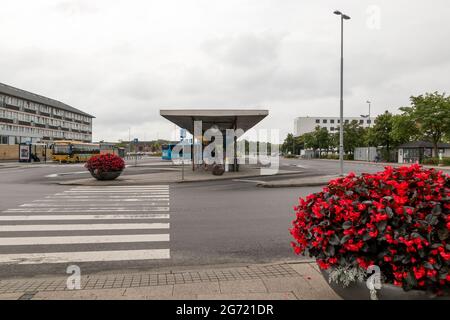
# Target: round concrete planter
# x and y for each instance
(104, 176)
(359, 291)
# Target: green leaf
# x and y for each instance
(437, 210)
(432, 219)
(366, 236)
(382, 225)
(411, 280)
(345, 239)
(443, 234)
(347, 225)
(428, 265)
(389, 212)
(330, 251)
(334, 240)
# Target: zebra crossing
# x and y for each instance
(88, 224)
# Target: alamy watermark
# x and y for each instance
(223, 147)
(73, 282)
(373, 21)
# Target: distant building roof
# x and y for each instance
(424, 144)
(19, 93)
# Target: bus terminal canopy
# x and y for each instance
(221, 118)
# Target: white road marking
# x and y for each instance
(23, 241)
(69, 227)
(89, 256)
(80, 205)
(55, 175)
(65, 196)
(102, 200)
(103, 205)
(244, 180)
(83, 217)
(77, 210)
(116, 191)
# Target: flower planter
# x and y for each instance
(359, 291)
(396, 220)
(105, 166)
(104, 176)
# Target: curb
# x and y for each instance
(297, 184)
(145, 182)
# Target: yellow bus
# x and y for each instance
(73, 151)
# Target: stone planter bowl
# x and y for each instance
(359, 291)
(105, 176)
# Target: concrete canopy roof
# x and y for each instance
(222, 118)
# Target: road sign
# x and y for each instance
(136, 140)
(182, 133)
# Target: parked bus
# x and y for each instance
(72, 151)
(167, 152)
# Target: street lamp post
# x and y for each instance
(341, 132)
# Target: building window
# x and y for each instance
(369, 121)
(331, 121)
(361, 121)
(332, 129)
(317, 121)
(325, 121)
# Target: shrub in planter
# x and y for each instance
(398, 220)
(105, 166)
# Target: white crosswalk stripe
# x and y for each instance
(127, 222)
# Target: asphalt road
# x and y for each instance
(211, 223)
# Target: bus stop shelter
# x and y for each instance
(221, 119)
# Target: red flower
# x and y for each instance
(388, 219)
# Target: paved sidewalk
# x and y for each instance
(281, 281)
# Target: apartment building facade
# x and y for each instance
(26, 117)
(304, 125)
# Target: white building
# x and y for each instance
(304, 125)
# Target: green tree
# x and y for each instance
(288, 144)
(381, 133)
(431, 113)
(310, 141)
(322, 138)
(404, 129)
(354, 136)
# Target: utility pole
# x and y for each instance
(341, 132)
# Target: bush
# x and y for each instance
(105, 163)
(436, 161)
(398, 219)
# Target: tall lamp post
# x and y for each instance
(341, 131)
(370, 124)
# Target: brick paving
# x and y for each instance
(129, 280)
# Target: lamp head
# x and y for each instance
(338, 13)
(345, 17)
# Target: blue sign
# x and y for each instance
(136, 140)
(182, 134)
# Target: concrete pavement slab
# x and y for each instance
(98, 294)
(250, 296)
(196, 288)
(242, 286)
(10, 296)
(148, 293)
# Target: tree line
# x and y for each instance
(427, 118)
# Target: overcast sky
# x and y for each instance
(123, 60)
